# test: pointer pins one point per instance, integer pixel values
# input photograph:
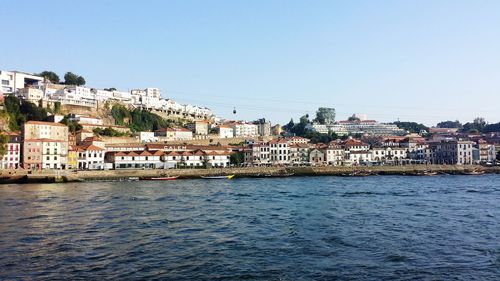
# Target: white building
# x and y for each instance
(334, 154)
(147, 137)
(245, 130)
(279, 152)
(319, 128)
(147, 98)
(12, 157)
(75, 95)
(30, 94)
(451, 152)
(134, 159)
(358, 157)
(217, 159)
(54, 154)
(13, 81)
(90, 157)
(225, 131)
(181, 133)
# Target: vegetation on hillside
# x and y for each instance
(450, 124)
(73, 126)
(412, 127)
(3, 140)
(110, 132)
(20, 111)
(478, 125)
(138, 119)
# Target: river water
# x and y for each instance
(297, 228)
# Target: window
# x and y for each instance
(5, 82)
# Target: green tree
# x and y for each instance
(57, 107)
(411, 127)
(300, 128)
(492, 128)
(478, 124)
(73, 126)
(50, 75)
(353, 119)
(110, 89)
(20, 111)
(325, 115)
(108, 132)
(72, 79)
(3, 141)
(290, 125)
(236, 158)
(449, 124)
(80, 81)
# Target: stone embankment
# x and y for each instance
(21, 176)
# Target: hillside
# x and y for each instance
(17, 111)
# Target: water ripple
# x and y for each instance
(312, 228)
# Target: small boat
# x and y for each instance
(217, 177)
(164, 178)
(472, 173)
(133, 178)
(279, 175)
(360, 173)
(423, 173)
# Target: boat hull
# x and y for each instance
(164, 179)
(217, 177)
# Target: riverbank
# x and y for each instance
(20, 176)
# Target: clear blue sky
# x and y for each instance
(424, 61)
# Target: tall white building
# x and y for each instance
(245, 130)
(13, 81)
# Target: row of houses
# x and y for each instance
(48, 145)
(409, 150)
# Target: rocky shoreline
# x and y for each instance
(21, 176)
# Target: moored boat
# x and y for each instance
(164, 178)
(473, 173)
(218, 177)
(423, 173)
(279, 175)
(359, 173)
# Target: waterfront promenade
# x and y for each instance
(22, 176)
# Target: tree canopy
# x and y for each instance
(412, 127)
(449, 124)
(50, 75)
(73, 126)
(108, 132)
(491, 128)
(72, 79)
(20, 111)
(3, 140)
(353, 119)
(325, 115)
(477, 125)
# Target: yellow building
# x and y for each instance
(72, 158)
